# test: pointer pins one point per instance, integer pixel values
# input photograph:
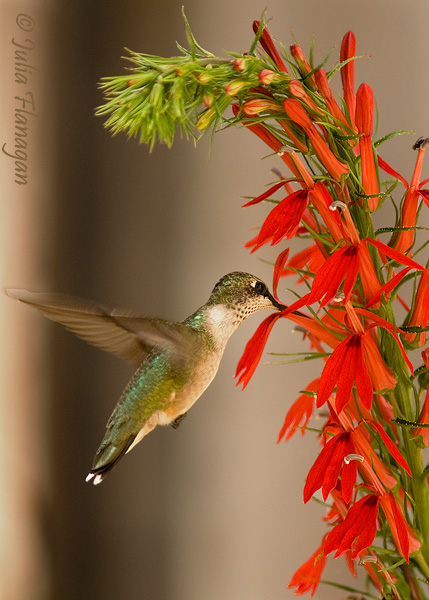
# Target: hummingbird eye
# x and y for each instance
(260, 287)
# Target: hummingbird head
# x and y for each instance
(243, 293)
(235, 296)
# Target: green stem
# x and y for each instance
(414, 457)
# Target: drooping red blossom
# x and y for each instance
(284, 219)
(403, 535)
(255, 346)
(310, 257)
(328, 466)
(278, 268)
(299, 413)
(343, 265)
(393, 450)
(364, 124)
(357, 531)
(345, 367)
(308, 576)
(356, 360)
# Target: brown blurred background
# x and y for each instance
(212, 510)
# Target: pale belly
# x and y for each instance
(181, 401)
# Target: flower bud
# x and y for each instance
(239, 64)
(204, 77)
(257, 105)
(266, 76)
(302, 62)
(234, 87)
(267, 44)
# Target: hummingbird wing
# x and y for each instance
(126, 334)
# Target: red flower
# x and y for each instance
(345, 367)
(326, 93)
(328, 466)
(353, 361)
(342, 264)
(302, 62)
(258, 105)
(311, 257)
(255, 346)
(283, 220)
(405, 239)
(298, 115)
(348, 48)
(419, 316)
(364, 123)
(266, 136)
(300, 412)
(307, 577)
(267, 44)
(357, 531)
(424, 420)
(402, 533)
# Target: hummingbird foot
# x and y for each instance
(175, 424)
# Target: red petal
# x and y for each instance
(328, 459)
(391, 447)
(265, 195)
(360, 523)
(254, 349)
(278, 270)
(388, 169)
(331, 372)
(398, 256)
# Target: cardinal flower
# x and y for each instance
(268, 45)
(300, 412)
(284, 220)
(420, 314)
(329, 464)
(405, 239)
(295, 111)
(364, 124)
(356, 360)
(348, 48)
(345, 264)
(308, 576)
(326, 92)
(357, 531)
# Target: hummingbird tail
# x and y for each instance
(106, 458)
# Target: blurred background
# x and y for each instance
(212, 510)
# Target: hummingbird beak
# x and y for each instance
(276, 304)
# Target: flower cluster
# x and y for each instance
(365, 304)
(370, 464)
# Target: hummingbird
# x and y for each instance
(176, 361)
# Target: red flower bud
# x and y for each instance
(267, 44)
